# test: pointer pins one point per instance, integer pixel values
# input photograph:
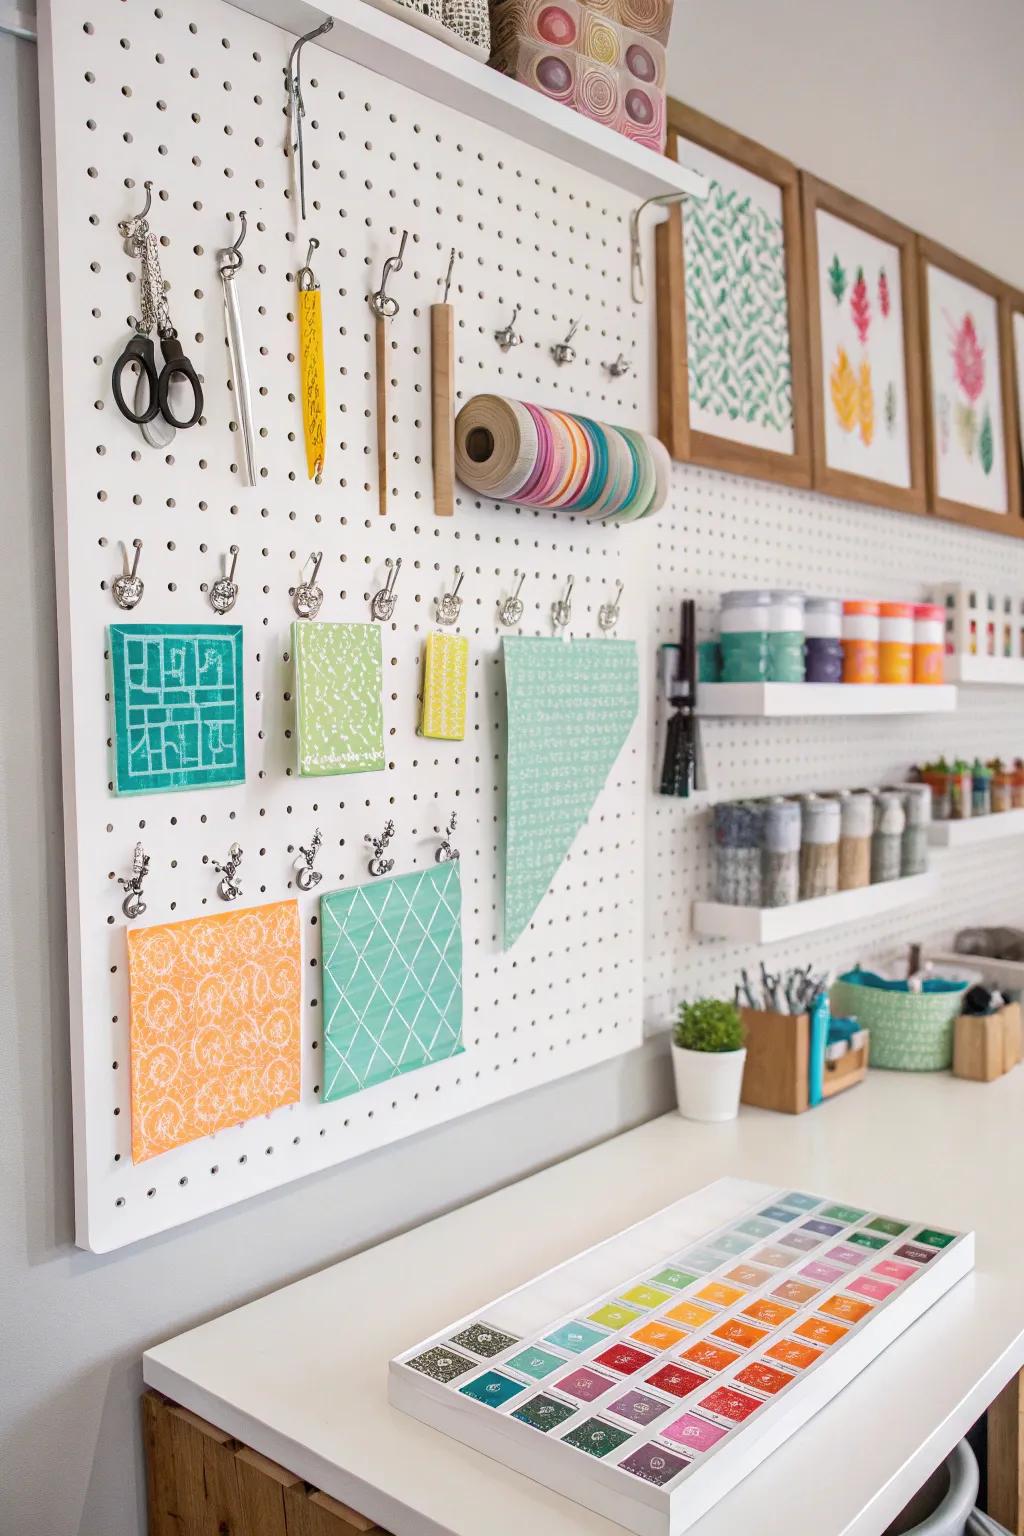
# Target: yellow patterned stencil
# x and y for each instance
(311, 373)
(215, 1023)
(445, 663)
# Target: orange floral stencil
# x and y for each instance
(215, 1023)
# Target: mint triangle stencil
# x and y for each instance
(571, 705)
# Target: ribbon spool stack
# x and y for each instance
(512, 451)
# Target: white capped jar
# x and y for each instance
(744, 613)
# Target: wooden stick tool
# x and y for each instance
(442, 386)
(384, 308)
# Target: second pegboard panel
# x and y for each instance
(193, 98)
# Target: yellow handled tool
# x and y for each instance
(311, 367)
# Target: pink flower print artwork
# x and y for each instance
(968, 359)
(860, 306)
(884, 296)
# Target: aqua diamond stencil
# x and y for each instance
(392, 966)
(179, 709)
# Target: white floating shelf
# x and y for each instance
(770, 925)
(976, 829)
(1008, 975)
(772, 700)
(411, 56)
(985, 671)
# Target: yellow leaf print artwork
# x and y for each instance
(843, 387)
(866, 404)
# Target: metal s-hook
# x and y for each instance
(305, 277)
(130, 229)
(383, 306)
(231, 256)
(383, 603)
(224, 591)
(449, 604)
(296, 105)
(510, 610)
(561, 609)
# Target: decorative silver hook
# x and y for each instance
(620, 367)
(446, 853)
(383, 604)
(510, 610)
(608, 613)
(379, 865)
(306, 877)
(448, 278)
(305, 277)
(128, 588)
(561, 609)
(449, 605)
(296, 105)
(508, 337)
(383, 306)
(224, 592)
(131, 229)
(229, 887)
(308, 596)
(133, 905)
(564, 351)
(231, 256)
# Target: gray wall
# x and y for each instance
(916, 106)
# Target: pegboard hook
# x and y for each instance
(383, 306)
(305, 277)
(232, 259)
(129, 586)
(448, 275)
(608, 613)
(508, 337)
(449, 604)
(130, 229)
(296, 105)
(561, 609)
(383, 604)
(564, 351)
(379, 865)
(306, 877)
(229, 887)
(510, 611)
(446, 853)
(133, 905)
(308, 596)
(224, 592)
(636, 261)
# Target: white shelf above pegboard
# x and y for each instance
(405, 53)
(985, 671)
(778, 700)
(771, 925)
(976, 829)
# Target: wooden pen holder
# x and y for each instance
(987, 1045)
(778, 1059)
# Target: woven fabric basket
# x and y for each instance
(910, 1031)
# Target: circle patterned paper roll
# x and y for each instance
(510, 450)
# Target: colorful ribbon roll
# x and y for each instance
(510, 450)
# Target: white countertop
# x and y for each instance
(301, 1375)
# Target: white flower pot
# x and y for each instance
(708, 1082)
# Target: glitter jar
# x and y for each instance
(819, 847)
(738, 842)
(786, 637)
(823, 639)
(887, 841)
(780, 864)
(917, 811)
(856, 826)
(861, 635)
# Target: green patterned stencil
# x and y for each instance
(392, 964)
(737, 310)
(338, 717)
(570, 708)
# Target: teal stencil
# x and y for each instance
(575, 1336)
(677, 1278)
(179, 714)
(536, 1362)
(392, 964)
(493, 1389)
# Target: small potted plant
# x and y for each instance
(707, 1058)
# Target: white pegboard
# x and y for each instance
(193, 97)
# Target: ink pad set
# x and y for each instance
(647, 1376)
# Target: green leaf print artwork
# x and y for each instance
(890, 408)
(737, 311)
(986, 447)
(837, 279)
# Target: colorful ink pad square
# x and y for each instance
(864, 1285)
(888, 1226)
(801, 1202)
(893, 1270)
(646, 1296)
(846, 1307)
(654, 1465)
(844, 1254)
(795, 1290)
(544, 1413)
(728, 1404)
(689, 1313)
(442, 1364)
(584, 1384)
(749, 1275)
(536, 1362)
(694, 1432)
(756, 1226)
(179, 706)
(777, 1213)
(713, 1356)
(483, 1340)
(802, 1241)
(596, 1437)
(613, 1316)
(678, 1279)
(793, 1352)
(820, 1331)
(575, 1337)
(867, 1240)
(763, 1378)
(776, 1258)
(677, 1381)
(702, 1259)
(718, 1294)
(623, 1358)
(771, 1313)
(657, 1335)
(824, 1228)
(932, 1238)
(735, 1332)
(638, 1407)
(847, 1214)
(493, 1389)
(732, 1243)
(824, 1272)
(914, 1251)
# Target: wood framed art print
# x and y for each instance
(732, 332)
(973, 458)
(864, 325)
(1016, 304)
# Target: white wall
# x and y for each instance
(915, 106)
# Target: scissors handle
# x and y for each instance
(139, 350)
(177, 364)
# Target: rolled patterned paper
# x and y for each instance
(596, 94)
(651, 17)
(470, 20)
(662, 473)
(597, 478)
(553, 72)
(496, 452)
(577, 462)
(643, 116)
(338, 716)
(556, 25)
(643, 59)
(445, 664)
(510, 25)
(599, 39)
(311, 373)
(646, 479)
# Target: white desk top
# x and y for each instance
(302, 1374)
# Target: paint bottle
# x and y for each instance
(917, 811)
(929, 642)
(823, 639)
(786, 637)
(819, 847)
(780, 864)
(856, 828)
(981, 789)
(1002, 786)
(709, 662)
(961, 791)
(887, 841)
(743, 628)
(738, 842)
(896, 643)
(861, 635)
